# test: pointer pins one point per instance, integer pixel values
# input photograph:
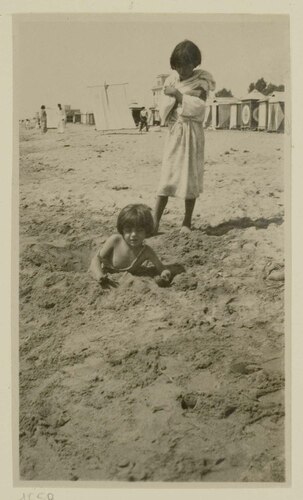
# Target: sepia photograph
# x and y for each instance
(152, 209)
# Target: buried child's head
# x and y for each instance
(136, 216)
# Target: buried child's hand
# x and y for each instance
(107, 282)
(104, 280)
(166, 275)
(164, 279)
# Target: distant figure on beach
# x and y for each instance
(143, 119)
(182, 109)
(61, 119)
(127, 250)
(37, 119)
(43, 120)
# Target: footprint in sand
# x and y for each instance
(188, 401)
(244, 367)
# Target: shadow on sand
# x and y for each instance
(151, 271)
(242, 223)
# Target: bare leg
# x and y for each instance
(159, 209)
(189, 208)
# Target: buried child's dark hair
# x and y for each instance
(138, 216)
(184, 53)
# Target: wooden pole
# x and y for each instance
(106, 84)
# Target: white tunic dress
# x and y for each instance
(183, 158)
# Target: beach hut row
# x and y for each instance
(254, 111)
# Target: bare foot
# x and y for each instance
(185, 230)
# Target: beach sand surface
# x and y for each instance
(137, 382)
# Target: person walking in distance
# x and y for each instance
(143, 119)
(43, 120)
(61, 119)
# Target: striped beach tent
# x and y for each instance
(250, 110)
(222, 110)
(263, 113)
(235, 115)
(276, 112)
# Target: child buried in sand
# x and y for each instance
(126, 250)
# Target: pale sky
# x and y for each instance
(57, 57)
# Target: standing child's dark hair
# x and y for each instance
(185, 52)
(136, 215)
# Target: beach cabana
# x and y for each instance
(211, 118)
(263, 113)
(211, 114)
(90, 119)
(220, 111)
(276, 110)
(87, 118)
(207, 123)
(153, 116)
(250, 110)
(110, 107)
(223, 115)
(235, 115)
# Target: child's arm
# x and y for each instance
(173, 92)
(203, 94)
(192, 106)
(154, 259)
(102, 254)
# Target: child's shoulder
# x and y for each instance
(206, 77)
(114, 239)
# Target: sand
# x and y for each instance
(138, 382)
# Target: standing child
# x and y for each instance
(126, 250)
(183, 111)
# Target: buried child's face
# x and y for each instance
(134, 236)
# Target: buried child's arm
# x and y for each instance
(96, 268)
(154, 259)
(102, 254)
